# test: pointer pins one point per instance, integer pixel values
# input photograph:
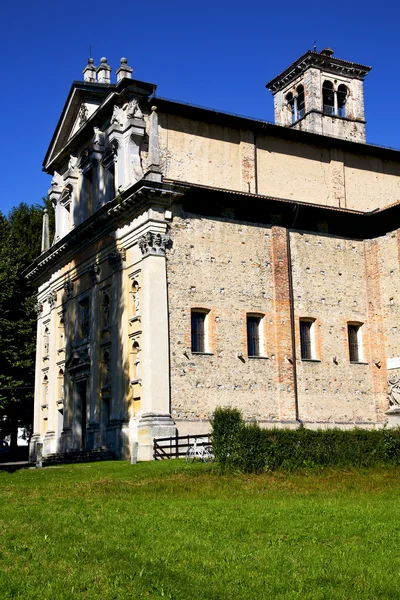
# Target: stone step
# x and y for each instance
(78, 456)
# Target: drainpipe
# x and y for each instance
(292, 325)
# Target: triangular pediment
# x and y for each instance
(82, 102)
(78, 359)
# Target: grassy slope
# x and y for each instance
(169, 530)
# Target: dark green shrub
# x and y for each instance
(226, 424)
(251, 450)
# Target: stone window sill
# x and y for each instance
(358, 362)
(258, 357)
(135, 319)
(311, 360)
(203, 353)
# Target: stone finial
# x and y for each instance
(327, 52)
(45, 231)
(89, 72)
(124, 70)
(103, 71)
(153, 169)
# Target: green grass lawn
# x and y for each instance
(169, 530)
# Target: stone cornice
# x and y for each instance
(336, 66)
(133, 200)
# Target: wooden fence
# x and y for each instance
(178, 445)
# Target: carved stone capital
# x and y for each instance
(94, 272)
(154, 243)
(68, 287)
(52, 299)
(115, 258)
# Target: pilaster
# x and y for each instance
(283, 330)
(155, 419)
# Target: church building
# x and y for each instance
(202, 259)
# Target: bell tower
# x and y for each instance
(321, 94)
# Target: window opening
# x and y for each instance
(198, 331)
(354, 338)
(253, 335)
(291, 102)
(328, 98)
(300, 102)
(306, 340)
(341, 100)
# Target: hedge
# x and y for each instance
(250, 449)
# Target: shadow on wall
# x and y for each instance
(92, 402)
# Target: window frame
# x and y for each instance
(307, 346)
(256, 320)
(355, 345)
(199, 345)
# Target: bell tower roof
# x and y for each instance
(323, 61)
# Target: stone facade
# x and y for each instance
(202, 259)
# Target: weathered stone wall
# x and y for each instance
(225, 267)
(234, 159)
(332, 284)
(231, 269)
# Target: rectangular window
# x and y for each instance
(354, 338)
(198, 331)
(307, 339)
(253, 335)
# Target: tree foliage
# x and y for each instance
(20, 244)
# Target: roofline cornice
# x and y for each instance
(367, 225)
(132, 200)
(329, 64)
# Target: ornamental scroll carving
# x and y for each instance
(68, 287)
(394, 390)
(39, 308)
(154, 243)
(94, 272)
(83, 115)
(133, 110)
(52, 299)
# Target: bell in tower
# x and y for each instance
(321, 94)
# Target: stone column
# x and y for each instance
(155, 420)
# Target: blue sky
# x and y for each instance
(215, 53)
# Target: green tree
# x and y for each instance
(20, 244)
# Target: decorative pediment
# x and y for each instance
(82, 102)
(66, 194)
(79, 360)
